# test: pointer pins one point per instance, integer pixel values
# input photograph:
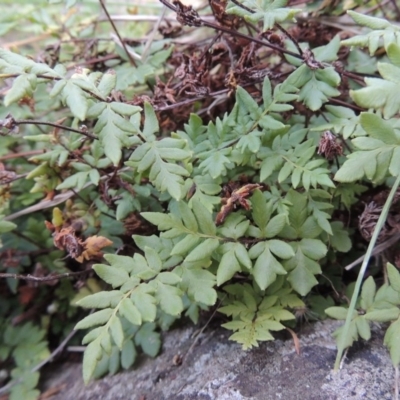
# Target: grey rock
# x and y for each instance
(217, 369)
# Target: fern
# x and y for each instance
(316, 83)
(154, 158)
(374, 305)
(381, 29)
(26, 346)
(255, 313)
(270, 12)
(293, 157)
(378, 152)
(236, 205)
(343, 121)
(382, 94)
(142, 286)
(113, 130)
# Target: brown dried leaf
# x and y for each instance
(26, 294)
(66, 239)
(329, 147)
(237, 198)
(218, 8)
(296, 340)
(92, 248)
(186, 15)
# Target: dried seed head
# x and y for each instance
(329, 147)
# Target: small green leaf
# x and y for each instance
(118, 261)
(340, 239)
(268, 12)
(370, 22)
(185, 245)
(242, 255)
(6, 226)
(153, 259)
(202, 251)
(385, 315)
(76, 99)
(313, 248)
(275, 225)
(204, 219)
(228, 266)
(114, 276)
(392, 341)
(168, 278)
(22, 86)
(128, 310)
(107, 83)
(394, 277)
(266, 269)
(337, 312)
(281, 249)
(198, 283)
(124, 109)
(363, 328)
(97, 318)
(150, 122)
(368, 293)
(304, 268)
(145, 303)
(148, 339)
(114, 132)
(101, 299)
(128, 354)
(378, 128)
(91, 358)
(261, 211)
(169, 298)
(116, 331)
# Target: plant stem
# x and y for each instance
(43, 278)
(378, 227)
(52, 124)
(238, 34)
(103, 6)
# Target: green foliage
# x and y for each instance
(382, 94)
(317, 84)
(378, 154)
(381, 29)
(377, 306)
(25, 346)
(255, 313)
(153, 156)
(270, 12)
(206, 178)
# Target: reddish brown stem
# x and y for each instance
(43, 278)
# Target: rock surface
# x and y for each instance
(217, 369)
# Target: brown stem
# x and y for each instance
(345, 104)
(280, 27)
(243, 6)
(43, 278)
(23, 154)
(294, 41)
(396, 7)
(15, 178)
(237, 33)
(52, 124)
(54, 78)
(95, 61)
(103, 6)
